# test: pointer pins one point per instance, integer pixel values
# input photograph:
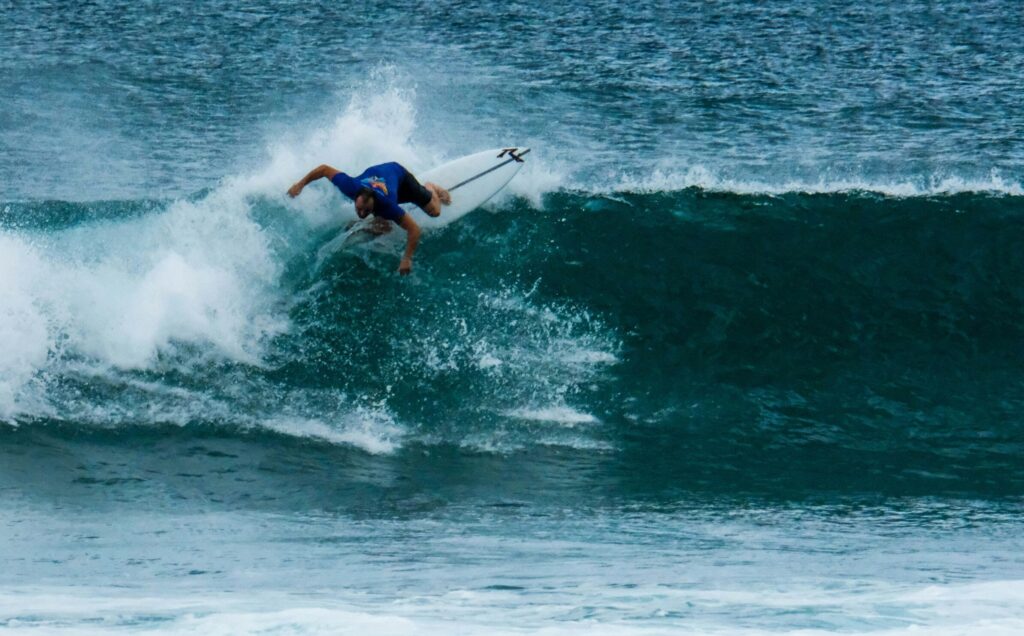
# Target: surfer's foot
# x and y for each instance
(440, 193)
(438, 196)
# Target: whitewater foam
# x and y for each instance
(24, 337)
(869, 610)
(124, 294)
(198, 278)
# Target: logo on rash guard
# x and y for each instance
(377, 184)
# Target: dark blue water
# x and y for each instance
(738, 351)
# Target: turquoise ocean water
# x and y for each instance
(739, 351)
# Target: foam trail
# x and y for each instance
(560, 414)
(372, 430)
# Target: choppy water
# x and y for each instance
(739, 351)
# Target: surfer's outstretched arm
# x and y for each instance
(323, 170)
(413, 239)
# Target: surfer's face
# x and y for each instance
(364, 205)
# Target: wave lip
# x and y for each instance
(712, 181)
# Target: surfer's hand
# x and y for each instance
(295, 190)
(406, 266)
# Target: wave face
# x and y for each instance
(695, 339)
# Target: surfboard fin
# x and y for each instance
(511, 152)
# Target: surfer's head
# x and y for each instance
(364, 202)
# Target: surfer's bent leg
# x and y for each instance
(429, 197)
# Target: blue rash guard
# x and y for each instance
(383, 180)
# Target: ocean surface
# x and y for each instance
(739, 351)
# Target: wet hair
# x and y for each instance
(364, 191)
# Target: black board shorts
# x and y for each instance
(410, 191)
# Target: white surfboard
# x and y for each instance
(471, 180)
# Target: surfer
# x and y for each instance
(378, 191)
